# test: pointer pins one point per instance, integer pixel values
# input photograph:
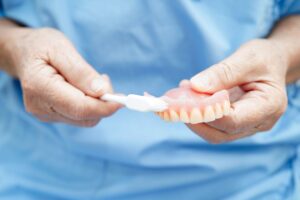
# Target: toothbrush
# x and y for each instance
(138, 102)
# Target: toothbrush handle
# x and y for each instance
(114, 98)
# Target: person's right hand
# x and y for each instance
(58, 84)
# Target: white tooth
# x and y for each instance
(218, 111)
(226, 108)
(157, 113)
(184, 116)
(196, 116)
(166, 116)
(209, 114)
(174, 116)
(160, 114)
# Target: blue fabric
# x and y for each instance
(146, 46)
(1, 9)
(289, 7)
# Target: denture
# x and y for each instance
(189, 106)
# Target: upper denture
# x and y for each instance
(190, 106)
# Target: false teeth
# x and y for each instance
(174, 116)
(209, 114)
(166, 116)
(197, 115)
(190, 106)
(184, 116)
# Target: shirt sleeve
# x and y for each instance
(1, 9)
(291, 7)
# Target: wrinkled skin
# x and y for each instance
(57, 84)
(259, 69)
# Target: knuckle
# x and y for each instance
(81, 112)
(78, 113)
(88, 123)
(215, 141)
(267, 127)
(264, 126)
(107, 112)
(91, 123)
(225, 71)
(43, 119)
(110, 108)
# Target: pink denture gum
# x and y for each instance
(190, 106)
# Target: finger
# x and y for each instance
(77, 71)
(49, 114)
(55, 118)
(257, 110)
(233, 71)
(235, 93)
(74, 104)
(213, 135)
(184, 82)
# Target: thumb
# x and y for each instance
(78, 72)
(224, 75)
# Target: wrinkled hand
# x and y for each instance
(58, 85)
(259, 68)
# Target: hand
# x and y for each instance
(259, 68)
(57, 84)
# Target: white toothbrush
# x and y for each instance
(137, 102)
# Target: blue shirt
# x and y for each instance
(146, 46)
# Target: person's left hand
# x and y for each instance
(259, 68)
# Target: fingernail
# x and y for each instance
(200, 82)
(98, 84)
